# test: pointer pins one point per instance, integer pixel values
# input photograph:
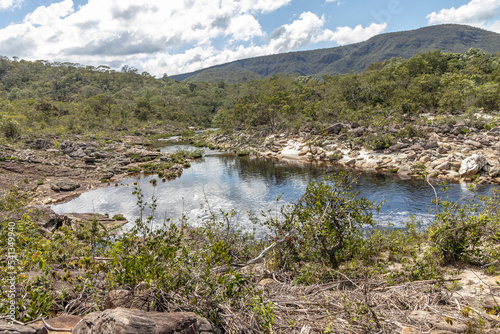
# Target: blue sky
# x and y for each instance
(178, 36)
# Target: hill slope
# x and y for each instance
(448, 38)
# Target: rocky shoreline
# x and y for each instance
(50, 170)
(459, 153)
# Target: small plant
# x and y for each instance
(119, 217)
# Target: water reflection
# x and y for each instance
(226, 182)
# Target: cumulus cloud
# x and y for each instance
(348, 35)
(10, 4)
(476, 12)
(164, 36)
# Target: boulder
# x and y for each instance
(472, 165)
(64, 185)
(48, 219)
(131, 321)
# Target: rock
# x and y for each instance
(64, 185)
(128, 299)
(129, 321)
(437, 322)
(398, 147)
(40, 144)
(430, 145)
(48, 219)
(491, 302)
(472, 165)
(473, 143)
(86, 218)
(443, 166)
(64, 321)
(411, 154)
(410, 330)
(442, 150)
(351, 162)
(495, 171)
(6, 328)
(334, 129)
(404, 170)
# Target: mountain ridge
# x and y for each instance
(356, 57)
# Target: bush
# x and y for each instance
(380, 142)
(467, 232)
(10, 128)
(326, 225)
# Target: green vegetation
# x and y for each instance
(327, 236)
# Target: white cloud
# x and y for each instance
(348, 35)
(338, 2)
(10, 4)
(164, 36)
(476, 11)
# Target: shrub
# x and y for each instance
(10, 128)
(381, 141)
(327, 224)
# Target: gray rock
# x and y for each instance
(129, 321)
(6, 328)
(335, 128)
(64, 185)
(443, 166)
(495, 171)
(128, 299)
(430, 145)
(472, 165)
(473, 143)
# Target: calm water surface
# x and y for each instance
(226, 182)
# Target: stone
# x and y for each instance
(64, 321)
(64, 185)
(411, 154)
(473, 143)
(303, 152)
(48, 219)
(128, 299)
(430, 145)
(410, 330)
(495, 171)
(491, 302)
(472, 165)
(6, 328)
(443, 166)
(131, 321)
(334, 129)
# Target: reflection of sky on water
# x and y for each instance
(243, 184)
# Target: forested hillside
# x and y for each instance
(355, 57)
(61, 97)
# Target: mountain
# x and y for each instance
(355, 57)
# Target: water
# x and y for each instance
(225, 182)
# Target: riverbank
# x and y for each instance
(50, 170)
(458, 153)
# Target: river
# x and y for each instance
(221, 181)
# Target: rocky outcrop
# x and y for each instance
(131, 321)
(442, 154)
(472, 165)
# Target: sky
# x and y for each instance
(179, 36)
